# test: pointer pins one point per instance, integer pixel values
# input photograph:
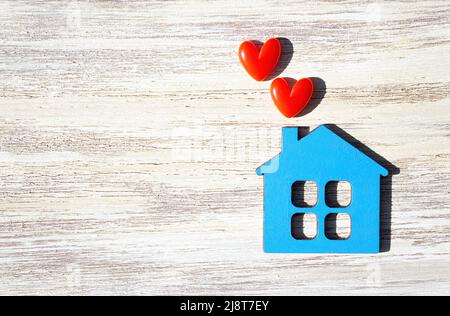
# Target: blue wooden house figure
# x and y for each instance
(323, 158)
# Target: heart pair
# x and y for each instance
(260, 63)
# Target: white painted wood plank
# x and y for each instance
(129, 137)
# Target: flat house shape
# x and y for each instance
(322, 157)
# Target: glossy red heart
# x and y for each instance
(289, 101)
(260, 63)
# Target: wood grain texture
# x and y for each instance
(130, 135)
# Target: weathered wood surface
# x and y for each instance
(130, 135)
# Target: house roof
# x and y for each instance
(321, 136)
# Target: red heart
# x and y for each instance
(260, 64)
(289, 101)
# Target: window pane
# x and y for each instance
(304, 226)
(304, 194)
(338, 226)
(338, 194)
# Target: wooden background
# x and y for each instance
(130, 135)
